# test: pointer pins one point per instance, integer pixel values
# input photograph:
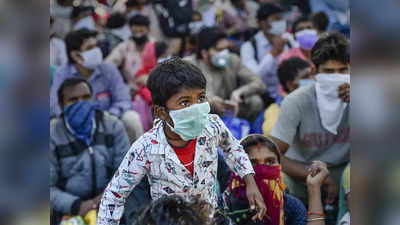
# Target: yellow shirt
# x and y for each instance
(270, 117)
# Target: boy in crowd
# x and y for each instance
(179, 155)
(292, 73)
(314, 121)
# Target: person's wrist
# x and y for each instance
(76, 206)
(249, 179)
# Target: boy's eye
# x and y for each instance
(184, 103)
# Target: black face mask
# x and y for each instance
(139, 40)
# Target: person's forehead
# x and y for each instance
(262, 152)
(187, 92)
(333, 64)
(90, 41)
(222, 43)
(305, 71)
(303, 24)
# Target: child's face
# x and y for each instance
(262, 155)
(182, 99)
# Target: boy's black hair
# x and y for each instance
(70, 82)
(75, 39)
(208, 38)
(160, 48)
(320, 20)
(253, 140)
(169, 77)
(174, 210)
(298, 21)
(289, 69)
(77, 10)
(116, 20)
(268, 9)
(331, 46)
(139, 20)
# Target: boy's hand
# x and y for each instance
(254, 197)
(318, 173)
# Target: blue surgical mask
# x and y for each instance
(92, 58)
(79, 119)
(221, 59)
(306, 82)
(190, 122)
(307, 38)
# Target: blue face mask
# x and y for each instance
(79, 118)
(306, 82)
(190, 122)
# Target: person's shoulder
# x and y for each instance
(109, 118)
(191, 59)
(302, 95)
(57, 127)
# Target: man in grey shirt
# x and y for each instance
(301, 127)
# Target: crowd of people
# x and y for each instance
(222, 112)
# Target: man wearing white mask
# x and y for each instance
(227, 77)
(261, 53)
(85, 60)
(82, 17)
(314, 120)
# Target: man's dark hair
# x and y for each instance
(77, 10)
(208, 38)
(70, 82)
(331, 46)
(169, 77)
(139, 20)
(254, 140)
(160, 48)
(320, 20)
(174, 210)
(75, 39)
(116, 20)
(268, 9)
(289, 69)
(298, 21)
(132, 3)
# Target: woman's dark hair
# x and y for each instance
(139, 20)
(174, 210)
(70, 82)
(268, 9)
(160, 48)
(298, 21)
(116, 20)
(254, 140)
(331, 46)
(208, 38)
(289, 69)
(169, 77)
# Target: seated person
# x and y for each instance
(281, 208)
(86, 148)
(314, 120)
(227, 77)
(85, 60)
(306, 36)
(293, 73)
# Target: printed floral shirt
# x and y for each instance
(151, 155)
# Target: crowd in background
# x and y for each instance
(263, 61)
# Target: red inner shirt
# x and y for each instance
(186, 155)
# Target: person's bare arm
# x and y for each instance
(289, 166)
(315, 179)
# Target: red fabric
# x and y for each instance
(149, 59)
(145, 94)
(186, 155)
(273, 198)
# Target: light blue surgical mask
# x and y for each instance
(221, 59)
(190, 122)
(306, 82)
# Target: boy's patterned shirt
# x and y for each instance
(151, 155)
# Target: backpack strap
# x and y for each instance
(254, 44)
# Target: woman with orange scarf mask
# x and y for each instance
(282, 208)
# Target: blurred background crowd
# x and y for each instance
(253, 54)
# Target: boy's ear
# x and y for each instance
(160, 112)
